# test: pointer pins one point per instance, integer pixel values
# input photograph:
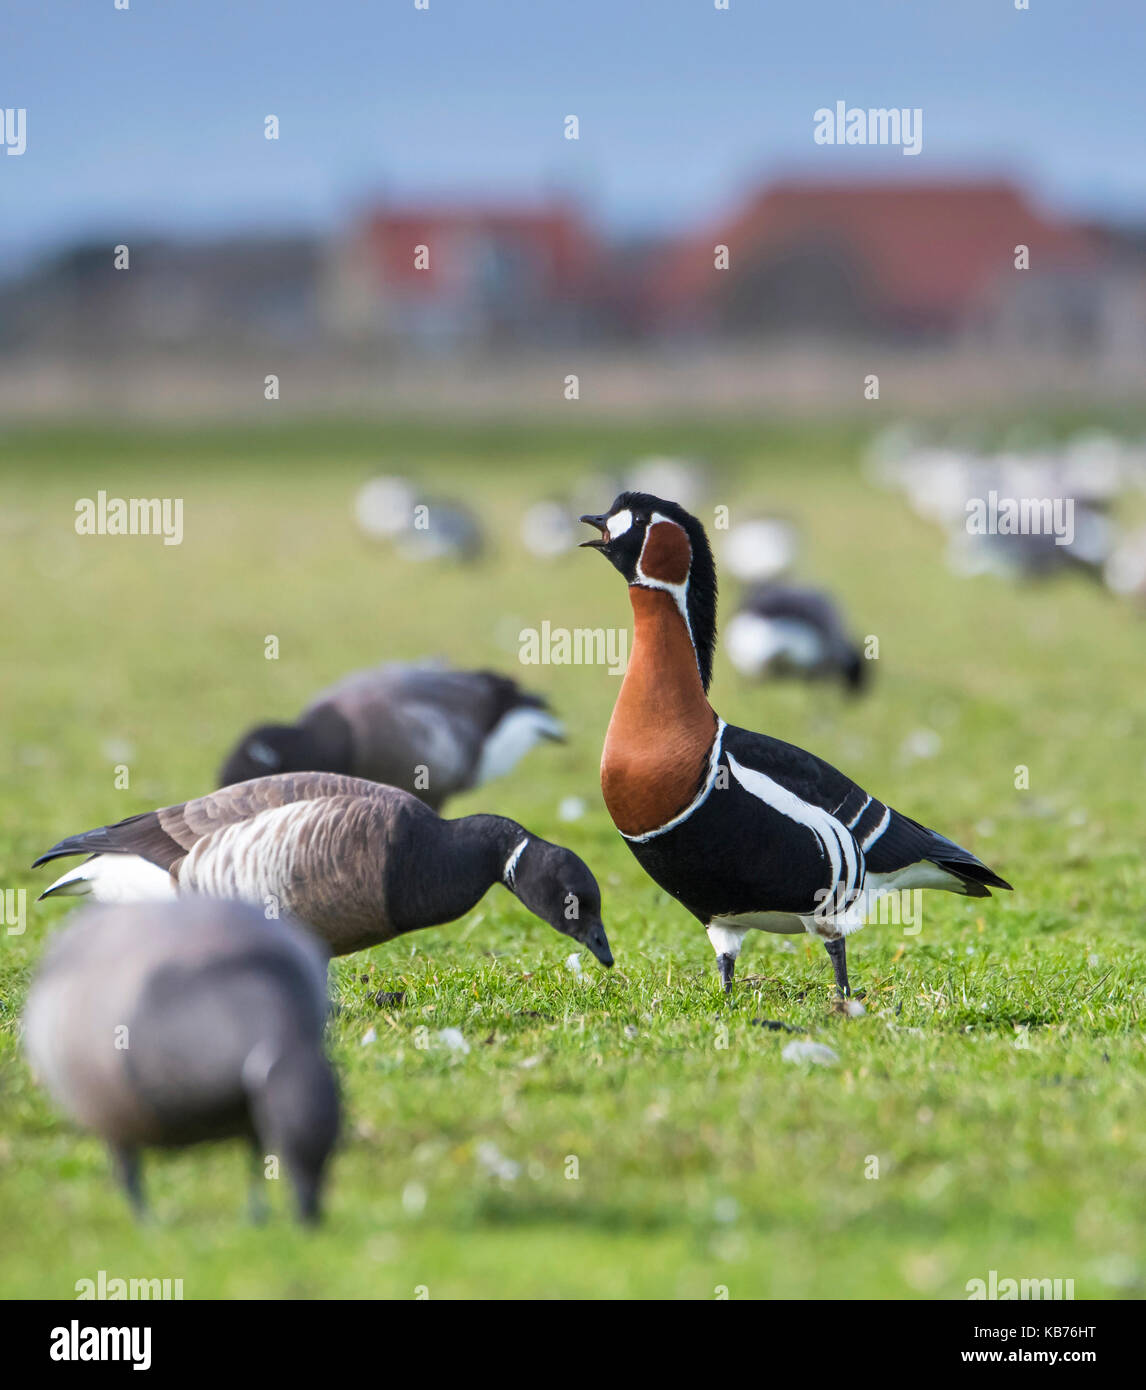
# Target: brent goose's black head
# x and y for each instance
(320, 742)
(658, 545)
(558, 887)
(266, 750)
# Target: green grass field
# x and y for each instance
(997, 1075)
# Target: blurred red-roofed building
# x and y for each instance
(863, 259)
(450, 276)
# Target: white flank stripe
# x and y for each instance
(870, 840)
(855, 820)
(837, 842)
(700, 798)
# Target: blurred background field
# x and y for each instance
(997, 1074)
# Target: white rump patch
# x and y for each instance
(116, 878)
(509, 741)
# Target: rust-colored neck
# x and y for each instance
(659, 739)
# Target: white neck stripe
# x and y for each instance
(679, 592)
(698, 800)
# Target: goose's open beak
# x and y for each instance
(599, 523)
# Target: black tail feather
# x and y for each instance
(975, 875)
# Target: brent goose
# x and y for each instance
(164, 1024)
(423, 527)
(745, 831)
(759, 549)
(783, 630)
(357, 862)
(425, 728)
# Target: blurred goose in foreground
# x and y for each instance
(164, 1024)
(429, 730)
(357, 862)
(779, 630)
(747, 832)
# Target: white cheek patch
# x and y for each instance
(617, 525)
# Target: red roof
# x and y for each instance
(920, 251)
(555, 240)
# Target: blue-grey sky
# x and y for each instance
(152, 118)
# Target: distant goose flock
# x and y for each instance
(1083, 479)
(743, 830)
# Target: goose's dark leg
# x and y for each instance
(839, 958)
(128, 1170)
(727, 966)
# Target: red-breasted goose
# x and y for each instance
(357, 862)
(164, 1024)
(745, 831)
(427, 729)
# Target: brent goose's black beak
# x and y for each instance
(598, 943)
(599, 523)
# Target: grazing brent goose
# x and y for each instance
(169, 1023)
(422, 527)
(760, 549)
(426, 729)
(745, 831)
(782, 630)
(357, 862)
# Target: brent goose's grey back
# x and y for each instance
(170, 1023)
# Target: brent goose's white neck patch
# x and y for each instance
(510, 870)
(619, 524)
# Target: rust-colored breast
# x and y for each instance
(660, 736)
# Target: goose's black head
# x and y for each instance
(658, 545)
(266, 750)
(319, 743)
(558, 887)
